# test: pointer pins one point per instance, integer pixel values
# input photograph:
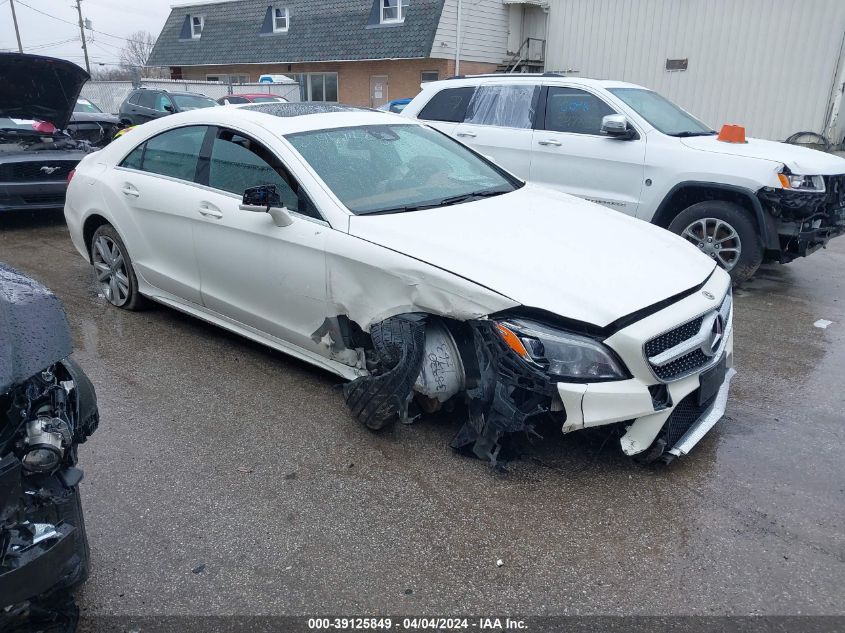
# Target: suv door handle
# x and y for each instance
(130, 191)
(210, 211)
(469, 134)
(550, 141)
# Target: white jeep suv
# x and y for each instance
(632, 150)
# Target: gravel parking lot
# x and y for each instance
(227, 478)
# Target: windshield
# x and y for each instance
(662, 113)
(192, 102)
(268, 100)
(83, 105)
(396, 168)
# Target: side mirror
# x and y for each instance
(617, 126)
(266, 199)
(169, 108)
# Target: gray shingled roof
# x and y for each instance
(325, 30)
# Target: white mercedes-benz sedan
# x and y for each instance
(394, 256)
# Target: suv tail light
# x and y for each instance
(70, 175)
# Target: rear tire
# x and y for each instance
(114, 271)
(724, 231)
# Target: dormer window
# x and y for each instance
(281, 19)
(393, 11)
(197, 22)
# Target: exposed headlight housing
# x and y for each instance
(796, 182)
(559, 353)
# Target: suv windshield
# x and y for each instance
(396, 168)
(662, 113)
(192, 102)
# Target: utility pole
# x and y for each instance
(82, 33)
(15, 20)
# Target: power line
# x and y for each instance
(118, 37)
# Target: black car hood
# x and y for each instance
(94, 117)
(34, 332)
(41, 88)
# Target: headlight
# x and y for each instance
(561, 354)
(794, 182)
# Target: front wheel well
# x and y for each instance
(92, 223)
(686, 196)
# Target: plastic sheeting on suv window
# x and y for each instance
(503, 106)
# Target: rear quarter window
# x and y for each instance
(449, 105)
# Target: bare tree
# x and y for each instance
(137, 51)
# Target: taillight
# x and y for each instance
(70, 175)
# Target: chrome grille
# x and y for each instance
(692, 346)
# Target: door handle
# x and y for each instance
(129, 190)
(550, 141)
(469, 134)
(210, 211)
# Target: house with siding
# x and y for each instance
(361, 52)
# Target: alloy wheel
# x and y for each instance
(717, 239)
(110, 267)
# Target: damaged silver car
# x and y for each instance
(47, 408)
(394, 256)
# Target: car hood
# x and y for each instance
(800, 160)
(547, 250)
(41, 88)
(34, 326)
(94, 117)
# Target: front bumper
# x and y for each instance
(652, 408)
(32, 195)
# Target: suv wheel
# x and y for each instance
(724, 231)
(113, 268)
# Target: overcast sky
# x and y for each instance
(55, 37)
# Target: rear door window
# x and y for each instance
(174, 153)
(146, 99)
(448, 105)
(504, 106)
(574, 111)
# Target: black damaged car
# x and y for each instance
(37, 98)
(47, 408)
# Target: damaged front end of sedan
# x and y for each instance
(657, 390)
(47, 408)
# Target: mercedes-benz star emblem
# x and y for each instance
(714, 340)
(50, 170)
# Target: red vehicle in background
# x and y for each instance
(259, 97)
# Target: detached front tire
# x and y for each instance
(113, 269)
(725, 232)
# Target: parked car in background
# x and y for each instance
(630, 149)
(261, 97)
(144, 104)
(396, 106)
(91, 124)
(36, 154)
(364, 243)
(47, 408)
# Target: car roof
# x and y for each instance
(529, 78)
(253, 94)
(172, 92)
(289, 118)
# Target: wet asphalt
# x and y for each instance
(227, 478)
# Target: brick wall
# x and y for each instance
(404, 75)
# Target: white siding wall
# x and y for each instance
(525, 21)
(484, 27)
(766, 64)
